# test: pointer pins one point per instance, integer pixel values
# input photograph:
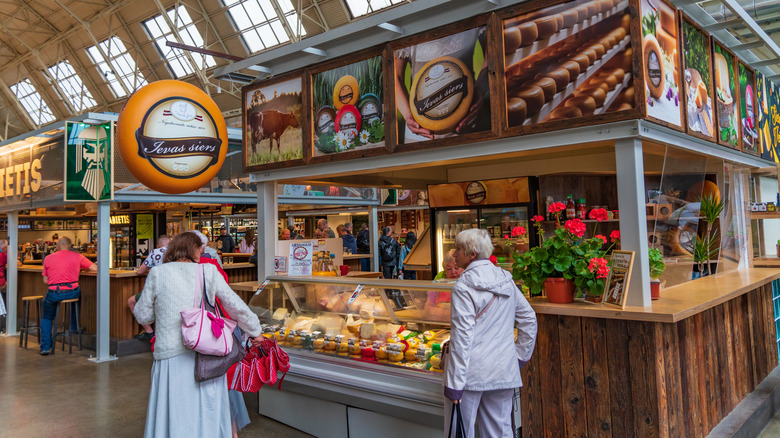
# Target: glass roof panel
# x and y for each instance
(160, 32)
(71, 87)
(32, 102)
(260, 24)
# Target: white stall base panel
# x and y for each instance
(314, 416)
(363, 423)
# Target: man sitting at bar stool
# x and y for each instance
(61, 273)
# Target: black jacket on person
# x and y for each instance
(228, 244)
(384, 241)
(363, 244)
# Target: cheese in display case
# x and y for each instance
(383, 322)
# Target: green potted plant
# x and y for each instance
(705, 248)
(657, 268)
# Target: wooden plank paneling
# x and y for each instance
(661, 374)
(674, 403)
(620, 401)
(741, 336)
(641, 354)
(548, 348)
(594, 343)
(723, 342)
(531, 398)
(572, 379)
(702, 376)
(689, 380)
(711, 339)
(752, 326)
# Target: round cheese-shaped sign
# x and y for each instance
(172, 136)
(346, 91)
(441, 94)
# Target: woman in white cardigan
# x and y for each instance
(178, 405)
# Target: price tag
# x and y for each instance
(262, 286)
(354, 295)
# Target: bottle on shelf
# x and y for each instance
(571, 211)
(582, 209)
(549, 203)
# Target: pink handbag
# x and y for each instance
(203, 331)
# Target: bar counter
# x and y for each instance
(124, 284)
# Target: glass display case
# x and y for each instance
(399, 324)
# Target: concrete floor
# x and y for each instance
(772, 429)
(67, 396)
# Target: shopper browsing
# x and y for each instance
(247, 245)
(406, 248)
(178, 404)
(483, 366)
(154, 258)
(228, 244)
(61, 273)
(322, 225)
(388, 253)
(348, 240)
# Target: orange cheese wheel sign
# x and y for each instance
(172, 136)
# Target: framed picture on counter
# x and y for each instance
(616, 288)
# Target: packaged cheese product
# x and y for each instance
(345, 92)
(655, 77)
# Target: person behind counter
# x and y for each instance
(411, 239)
(177, 403)
(247, 245)
(348, 240)
(388, 253)
(322, 225)
(484, 363)
(364, 246)
(451, 269)
(285, 234)
(155, 258)
(228, 244)
(61, 273)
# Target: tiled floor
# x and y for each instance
(68, 396)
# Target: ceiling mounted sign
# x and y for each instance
(172, 136)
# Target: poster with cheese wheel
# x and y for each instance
(348, 108)
(768, 118)
(566, 61)
(725, 88)
(273, 115)
(484, 192)
(747, 108)
(441, 87)
(660, 62)
(697, 81)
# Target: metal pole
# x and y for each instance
(266, 229)
(633, 217)
(373, 236)
(12, 274)
(102, 343)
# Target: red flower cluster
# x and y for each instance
(506, 236)
(599, 267)
(494, 259)
(598, 214)
(537, 218)
(575, 226)
(614, 236)
(602, 237)
(518, 231)
(555, 207)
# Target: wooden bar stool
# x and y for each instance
(66, 308)
(24, 330)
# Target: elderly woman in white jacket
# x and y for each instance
(483, 366)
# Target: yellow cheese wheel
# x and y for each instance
(559, 18)
(608, 42)
(533, 97)
(593, 8)
(620, 33)
(606, 5)
(582, 13)
(591, 54)
(655, 77)
(564, 113)
(599, 49)
(667, 19)
(610, 80)
(668, 43)
(586, 104)
(528, 33)
(547, 26)
(628, 59)
(573, 68)
(627, 95)
(560, 75)
(582, 60)
(513, 39)
(346, 92)
(516, 111)
(619, 73)
(597, 93)
(570, 18)
(547, 85)
(442, 92)
(624, 107)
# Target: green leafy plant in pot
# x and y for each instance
(657, 268)
(705, 248)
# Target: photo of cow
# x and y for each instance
(272, 124)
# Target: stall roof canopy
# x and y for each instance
(64, 58)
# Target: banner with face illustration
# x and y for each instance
(89, 164)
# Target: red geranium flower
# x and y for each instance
(614, 236)
(575, 226)
(598, 266)
(537, 218)
(602, 237)
(494, 259)
(518, 231)
(506, 236)
(555, 207)
(598, 214)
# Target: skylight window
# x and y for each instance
(71, 86)
(32, 102)
(177, 60)
(259, 23)
(120, 66)
(359, 8)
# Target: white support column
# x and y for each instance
(12, 276)
(266, 229)
(633, 217)
(102, 342)
(373, 237)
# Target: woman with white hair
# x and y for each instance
(483, 366)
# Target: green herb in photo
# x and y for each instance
(696, 51)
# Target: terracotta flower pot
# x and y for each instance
(559, 290)
(655, 289)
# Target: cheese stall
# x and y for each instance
(625, 118)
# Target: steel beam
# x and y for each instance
(739, 11)
(12, 275)
(102, 349)
(267, 212)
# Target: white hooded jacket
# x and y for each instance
(483, 353)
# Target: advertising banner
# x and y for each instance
(89, 164)
(442, 88)
(747, 108)
(568, 61)
(144, 226)
(768, 117)
(484, 192)
(348, 108)
(725, 96)
(272, 124)
(697, 80)
(661, 58)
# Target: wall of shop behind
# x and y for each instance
(571, 163)
(74, 235)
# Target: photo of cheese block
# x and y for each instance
(560, 75)
(533, 97)
(597, 93)
(619, 73)
(586, 104)
(547, 85)
(582, 60)
(667, 18)
(442, 92)
(564, 113)
(668, 43)
(546, 26)
(599, 49)
(513, 39)
(442, 195)
(591, 54)
(582, 13)
(570, 18)
(655, 77)
(528, 33)
(701, 94)
(722, 83)
(516, 111)
(573, 68)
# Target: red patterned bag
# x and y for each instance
(259, 367)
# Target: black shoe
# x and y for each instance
(45, 352)
(144, 336)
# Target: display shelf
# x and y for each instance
(564, 94)
(539, 45)
(767, 260)
(765, 215)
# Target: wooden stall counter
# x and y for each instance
(354, 261)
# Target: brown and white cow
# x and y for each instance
(270, 124)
